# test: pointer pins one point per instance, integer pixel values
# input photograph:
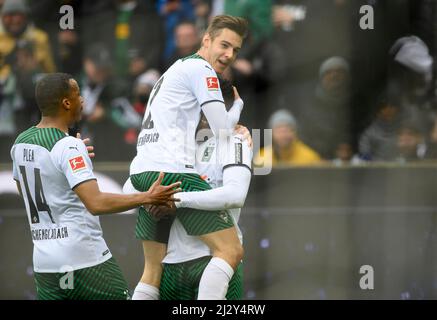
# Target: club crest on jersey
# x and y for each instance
(212, 83)
(77, 163)
(207, 154)
(224, 216)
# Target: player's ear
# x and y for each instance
(206, 40)
(66, 104)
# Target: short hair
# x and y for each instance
(237, 24)
(50, 90)
(227, 92)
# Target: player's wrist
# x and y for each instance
(239, 103)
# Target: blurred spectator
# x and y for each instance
(411, 143)
(136, 50)
(141, 94)
(25, 52)
(431, 152)
(325, 120)
(107, 111)
(379, 140)
(187, 42)
(256, 65)
(11, 106)
(345, 155)
(16, 27)
(173, 12)
(66, 44)
(286, 148)
(410, 79)
(258, 14)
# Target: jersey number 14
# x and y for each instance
(40, 204)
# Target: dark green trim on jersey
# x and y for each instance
(180, 281)
(193, 56)
(44, 137)
(209, 101)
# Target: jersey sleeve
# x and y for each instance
(14, 169)
(203, 82)
(236, 153)
(71, 157)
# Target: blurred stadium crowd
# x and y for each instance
(331, 91)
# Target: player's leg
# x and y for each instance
(104, 281)
(217, 230)
(48, 286)
(147, 288)
(154, 235)
(180, 281)
(227, 254)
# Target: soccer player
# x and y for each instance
(228, 171)
(167, 143)
(54, 175)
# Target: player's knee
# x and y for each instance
(239, 252)
(235, 253)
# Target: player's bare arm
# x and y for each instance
(98, 202)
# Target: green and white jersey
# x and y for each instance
(210, 163)
(49, 164)
(167, 138)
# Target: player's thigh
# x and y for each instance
(102, 282)
(222, 240)
(147, 226)
(180, 281)
(51, 286)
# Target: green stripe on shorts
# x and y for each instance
(180, 281)
(195, 222)
(102, 282)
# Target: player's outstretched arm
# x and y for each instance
(236, 182)
(98, 202)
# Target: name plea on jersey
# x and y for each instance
(28, 155)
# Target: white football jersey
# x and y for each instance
(49, 164)
(167, 138)
(210, 163)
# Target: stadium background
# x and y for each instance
(307, 229)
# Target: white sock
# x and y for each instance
(145, 291)
(215, 280)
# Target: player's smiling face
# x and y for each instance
(223, 49)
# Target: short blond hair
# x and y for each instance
(237, 24)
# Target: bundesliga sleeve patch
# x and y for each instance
(77, 163)
(212, 83)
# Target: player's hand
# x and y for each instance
(161, 211)
(240, 129)
(162, 195)
(236, 94)
(89, 148)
